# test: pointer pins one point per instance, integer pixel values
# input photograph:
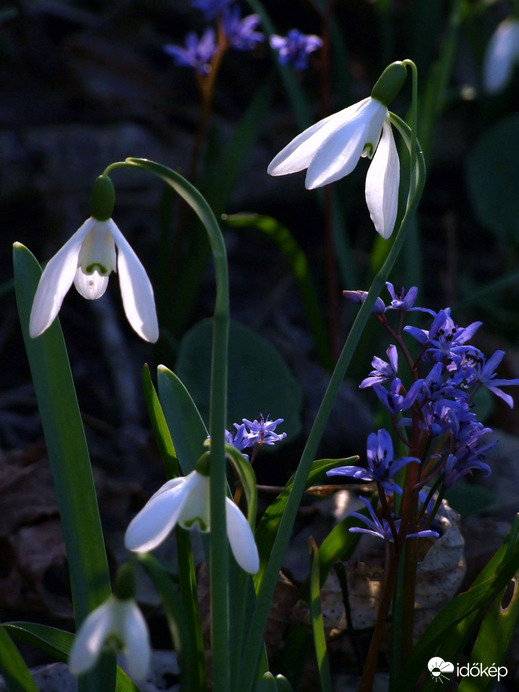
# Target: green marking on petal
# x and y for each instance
(95, 266)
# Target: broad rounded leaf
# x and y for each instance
(259, 379)
(494, 197)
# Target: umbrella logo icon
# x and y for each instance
(439, 668)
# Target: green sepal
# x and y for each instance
(389, 83)
(102, 199)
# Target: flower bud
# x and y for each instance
(389, 83)
(102, 199)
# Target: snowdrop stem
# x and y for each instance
(265, 586)
(414, 123)
(217, 415)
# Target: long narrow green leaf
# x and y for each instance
(339, 544)
(13, 667)
(316, 619)
(57, 643)
(288, 245)
(248, 479)
(160, 427)
(494, 637)
(68, 454)
(470, 606)
(195, 678)
(185, 423)
(189, 649)
(269, 524)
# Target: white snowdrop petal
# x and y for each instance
(382, 182)
(137, 640)
(196, 512)
(241, 538)
(299, 153)
(339, 155)
(90, 286)
(89, 641)
(157, 518)
(55, 281)
(501, 55)
(136, 289)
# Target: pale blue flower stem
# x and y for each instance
(265, 592)
(221, 654)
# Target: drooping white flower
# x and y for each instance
(87, 259)
(116, 623)
(501, 55)
(185, 501)
(331, 149)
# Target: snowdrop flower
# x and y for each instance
(331, 149)
(116, 623)
(87, 259)
(185, 501)
(501, 55)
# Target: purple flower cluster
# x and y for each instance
(238, 33)
(254, 433)
(294, 48)
(433, 416)
(241, 34)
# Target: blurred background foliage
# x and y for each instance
(86, 83)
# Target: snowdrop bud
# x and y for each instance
(102, 199)
(389, 83)
(124, 586)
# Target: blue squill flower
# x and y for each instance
(484, 373)
(295, 48)
(382, 371)
(261, 430)
(381, 527)
(197, 53)
(382, 468)
(391, 397)
(445, 339)
(240, 440)
(212, 8)
(240, 32)
(358, 297)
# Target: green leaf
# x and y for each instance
(288, 245)
(248, 479)
(316, 618)
(58, 643)
(160, 427)
(13, 667)
(53, 641)
(188, 645)
(183, 419)
(269, 524)
(67, 450)
(494, 197)
(259, 379)
(339, 544)
(452, 627)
